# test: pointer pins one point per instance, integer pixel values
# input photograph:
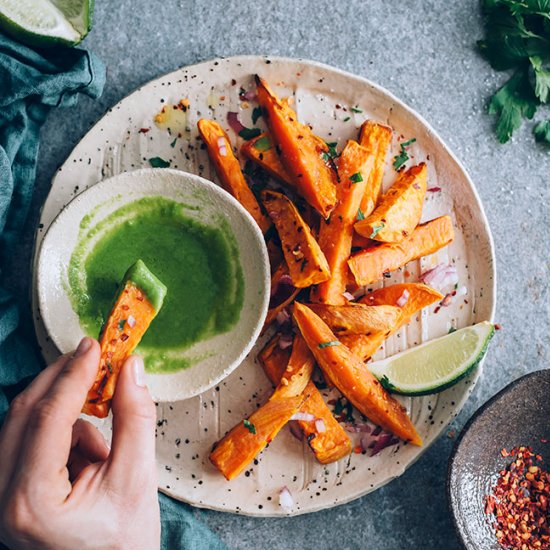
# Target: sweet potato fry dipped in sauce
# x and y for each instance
(408, 298)
(369, 265)
(351, 376)
(301, 152)
(136, 306)
(376, 139)
(229, 170)
(305, 260)
(326, 438)
(399, 210)
(336, 233)
(240, 446)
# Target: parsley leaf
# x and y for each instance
(513, 102)
(249, 426)
(330, 344)
(157, 162)
(400, 159)
(356, 110)
(173, 144)
(249, 133)
(542, 79)
(356, 178)
(542, 131)
(376, 229)
(256, 114)
(360, 215)
(121, 324)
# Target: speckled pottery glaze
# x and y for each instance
(518, 415)
(126, 137)
(212, 359)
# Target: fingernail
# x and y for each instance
(83, 347)
(139, 371)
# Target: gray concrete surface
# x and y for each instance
(424, 52)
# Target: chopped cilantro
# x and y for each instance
(331, 154)
(121, 324)
(249, 133)
(173, 144)
(400, 159)
(263, 144)
(303, 264)
(360, 215)
(256, 114)
(109, 366)
(356, 110)
(347, 118)
(376, 229)
(249, 426)
(157, 162)
(356, 178)
(330, 344)
(451, 330)
(542, 131)
(385, 382)
(343, 408)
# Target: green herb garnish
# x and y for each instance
(360, 215)
(356, 178)
(256, 114)
(542, 131)
(517, 38)
(249, 133)
(249, 426)
(451, 330)
(157, 162)
(400, 159)
(376, 229)
(263, 144)
(347, 118)
(330, 344)
(121, 324)
(173, 144)
(356, 110)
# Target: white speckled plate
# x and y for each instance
(213, 359)
(323, 98)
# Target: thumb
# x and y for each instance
(134, 415)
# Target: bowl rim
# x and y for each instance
(211, 188)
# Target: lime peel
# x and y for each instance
(434, 365)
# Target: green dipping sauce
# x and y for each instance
(199, 264)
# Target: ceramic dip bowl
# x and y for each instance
(80, 226)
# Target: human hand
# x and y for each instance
(60, 485)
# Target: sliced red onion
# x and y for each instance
(440, 276)
(221, 147)
(282, 317)
(131, 321)
(320, 426)
(306, 417)
(403, 299)
(348, 296)
(448, 300)
(284, 280)
(358, 428)
(249, 95)
(285, 499)
(376, 441)
(433, 189)
(281, 291)
(234, 122)
(285, 341)
(295, 430)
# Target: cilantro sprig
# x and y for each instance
(517, 38)
(400, 159)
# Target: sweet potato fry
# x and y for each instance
(399, 210)
(369, 265)
(417, 296)
(306, 262)
(335, 235)
(262, 151)
(300, 151)
(136, 306)
(329, 445)
(357, 318)
(351, 376)
(376, 139)
(283, 293)
(238, 448)
(229, 170)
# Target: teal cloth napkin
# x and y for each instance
(32, 83)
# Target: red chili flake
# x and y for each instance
(498, 326)
(436, 310)
(124, 337)
(113, 342)
(358, 450)
(519, 502)
(144, 130)
(433, 189)
(124, 307)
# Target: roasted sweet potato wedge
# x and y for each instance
(238, 448)
(328, 445)
(229, 170)
(336, 233)
(351, 376)
(399, 210)
(369, 265)
(306, 262)
(301, 152)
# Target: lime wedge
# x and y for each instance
(46, 23)
(435, 365)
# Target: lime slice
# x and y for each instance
(435, 365)
(45, 22)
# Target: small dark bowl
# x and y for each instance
(518, 415)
